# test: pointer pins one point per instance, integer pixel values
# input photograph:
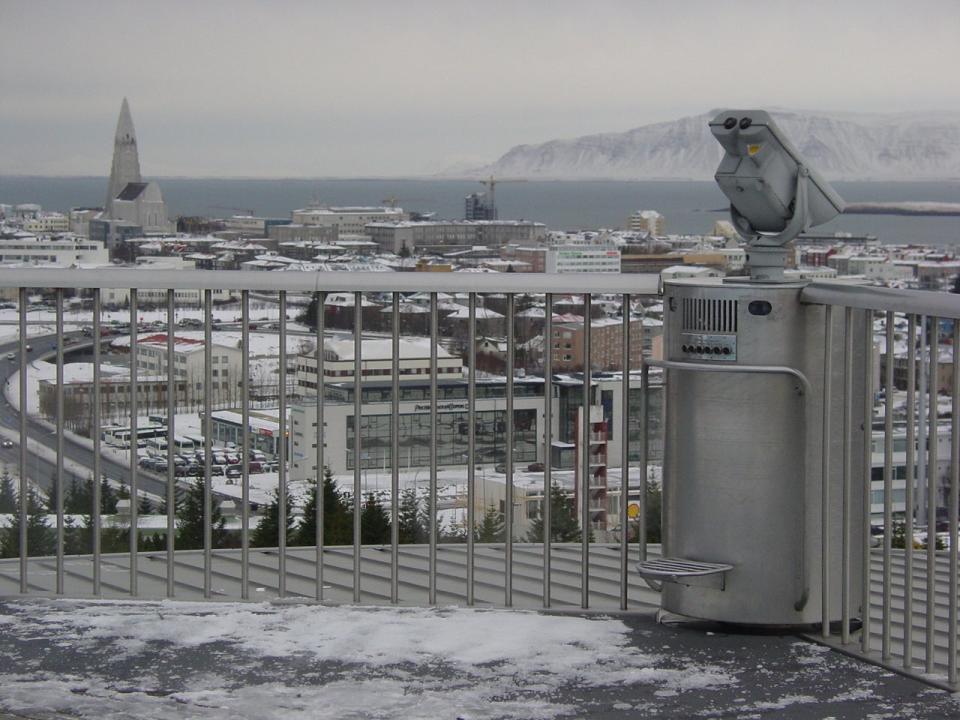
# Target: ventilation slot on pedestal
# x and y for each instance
(709, 315)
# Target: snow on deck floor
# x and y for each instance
(229, 660)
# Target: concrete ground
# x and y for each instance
(695, 672)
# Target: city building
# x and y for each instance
(648, 221)
(376, 361)
(443, 236)
(452, 427)
(48, 223)
(477, 207)
(606, 345)
(582, 259)
(248, 226)
(348, 220)
(297, 232)
(64, 251)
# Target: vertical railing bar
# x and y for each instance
(624, 452)
(208, 439)
(245, 444)
(585, 459)
(933, 439)
(885, 649)
(432, 496)
(908, 492)
(395, 453)
(357, 410)
(471, 445)
(547, 448)
(24, 487)
(134, 412)
(171, 430)
(508, 502)
(954, 503)
(644, 460)
(847, 472)
(321, 436)
(97, 461)
(865, 481)
(61, 530)
(825, 474)
(282, 452)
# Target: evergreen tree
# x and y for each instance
(145, 505)
(374, 522)
(108, 497)
(79, 498)
(267, 533)
(309, 316)
(411, 518)
(490, 528)
(337, 523)
(77, 539)
(190, 520)
(8, 495)
(564, 526)
(41, 540)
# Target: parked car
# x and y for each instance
(8, 443)
(11, 356)
(234, 471)
(535, 467)
(216, 471)
(256, 466)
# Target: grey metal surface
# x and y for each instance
(917, 302)
(282, 454)
(762, 513)
(357, 441)
(585, 456)
(624, 449)
(508, 493)
(547, 446)
(208, 444)
(134, 539)
(932, 473)
(171, 432)
(637, 284)
(245, 442)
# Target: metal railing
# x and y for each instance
(900, 595)
(171, 572)
(910, 608)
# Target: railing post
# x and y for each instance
(508, 503)
(933, 437)
(395, 453)
(887, 486)
(954, 504)
(432, 498)
(208, 439)
(908, 492)
(357, 423)
(321, 438)
(245, 444)
(585, 458)
(471, 446)
(547, 447)
(24, 488)
(825, 474)
(61, 530)
(624, 450)
(134, 412)
(282, 454)
(171, 429)
(865, 481)
(847, 473)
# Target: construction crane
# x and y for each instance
(491, 184)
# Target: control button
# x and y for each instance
(726, 351)
(716, 350)
(700, 349)
(683, 348)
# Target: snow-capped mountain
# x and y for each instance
(878, 147)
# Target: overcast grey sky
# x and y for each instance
(352, 88)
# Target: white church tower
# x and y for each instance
(134, 208)
(126, 160)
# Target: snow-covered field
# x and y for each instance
(350, 662)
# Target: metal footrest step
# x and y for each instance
(684, 571)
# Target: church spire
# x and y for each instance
(126, 162)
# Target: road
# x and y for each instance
(39, 469)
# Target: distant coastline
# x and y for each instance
(936, 209)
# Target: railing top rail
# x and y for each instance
(916, 302)
(130, 278)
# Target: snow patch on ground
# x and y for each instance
(368, 662)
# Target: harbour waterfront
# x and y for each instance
(690, 207)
